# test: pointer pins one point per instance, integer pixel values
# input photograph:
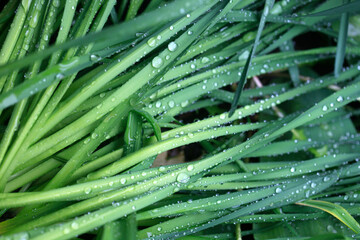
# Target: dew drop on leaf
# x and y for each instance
(205, 60)
(183, 178)
(190, 167)
(151, 42)
(172, 46)
(157, 62)
(171, 104)
(87, 190)
(95, 58)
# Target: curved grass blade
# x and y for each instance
(125, 31)
(152, 121)
(241, 83)
(334, 209)
(351, 7)
(280, 198)
(341, 44)
(133, 9)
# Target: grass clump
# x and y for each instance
(261, 97)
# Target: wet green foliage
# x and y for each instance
(266, 92)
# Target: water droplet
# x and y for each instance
(190, 135)
(192, 66)
(339, 99)
(94, 135)
(123, 181)
(190, 167)
(171, 28)
(278, 190)
(292, 169)
(171, 104)
(185, 103)
(183, 178)
(205, 60)
(331, 229)
(157, 62)
(324, 108)
(172, 46)
(158, 104)
(189, 32)
(313, 185)
(326, 179)
(162, 169)
(74, 225)
(222, 116)
(95, 58)
(151, 42)
(87, 190)
(59, 76)
(244, 55)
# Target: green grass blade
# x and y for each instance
(351, 7)
(243, 77)
(336, 210)
(341, 44)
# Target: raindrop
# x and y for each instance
(244, 55)
(171, 104)
(157, 62)
(183, 178)
(95, 58)
(94, 135)
(324, 108)
(59, 76)
(205, 60)
(190, 167)
(87, 190)
(74, 225)
(292, 169)
(278, 190)
(172, 46)
(185, 103)
(151, 42)
(339, 99)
